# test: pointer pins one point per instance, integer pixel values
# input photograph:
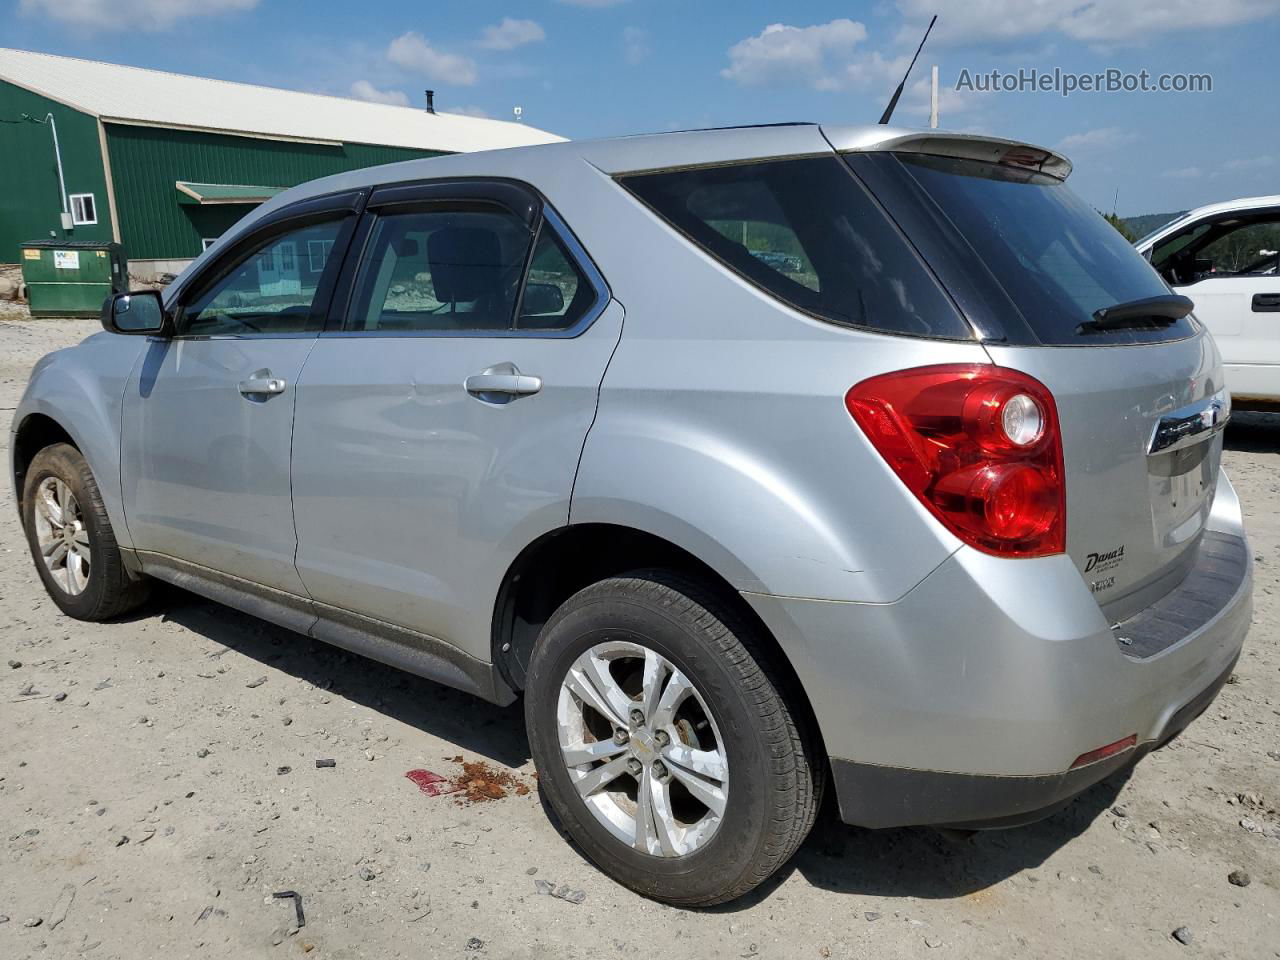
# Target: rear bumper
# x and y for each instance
(967, 701)
(876, 796)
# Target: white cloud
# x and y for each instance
(916, 100)
(1136, 19)
(1260, 162)
(512, 33)
(412, 52)
(364, 90)
(149, 15)
(471, 111)
(635, 45)
(1101, 138)
(872, 72)
(1093, 21)
(1183, 173)
(817, 55)
(975, 21)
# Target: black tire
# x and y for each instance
(775, 774)
(109, 591)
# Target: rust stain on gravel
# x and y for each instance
(479, 782)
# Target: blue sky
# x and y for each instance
(585, 68)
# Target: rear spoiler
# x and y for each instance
(1010, 153)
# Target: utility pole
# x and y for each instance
(933, 100)
(57, 156)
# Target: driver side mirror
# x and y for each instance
(140, 312)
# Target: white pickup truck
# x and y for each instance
(1225, 257)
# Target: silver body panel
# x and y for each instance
(206, 469)
(412, 497)
(994, 666)
(711, 417)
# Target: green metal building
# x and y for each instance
(163, 163)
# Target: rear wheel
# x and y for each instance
(71, 539)
(663, 745)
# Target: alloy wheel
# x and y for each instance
(642, 749)
(62, 535)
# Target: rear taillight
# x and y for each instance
(979, 445)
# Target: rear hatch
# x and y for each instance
(1139, 392)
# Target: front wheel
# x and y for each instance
(71, 540)
(662, 743)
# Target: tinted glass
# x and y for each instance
(556, 293)
(807, 232)
(1055, 256)
(441, 270)
(272, 290)
(1230, 247)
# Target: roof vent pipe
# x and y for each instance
(431, 101)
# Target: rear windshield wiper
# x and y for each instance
(1162, 311)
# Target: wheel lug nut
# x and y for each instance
(660, 770)
(634, 766)
(620, 737)
(664, 738)
(637, 717)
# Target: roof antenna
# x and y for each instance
(888, 111)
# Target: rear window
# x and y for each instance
(1054, 255)
(805, 231)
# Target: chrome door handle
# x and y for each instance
(515, 384)
(502, 383)
(258, 386)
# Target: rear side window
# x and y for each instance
(557, 294)
(442, 271)
(1055, 256)
(805, 231)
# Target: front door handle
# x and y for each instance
(1266, 303)
(502, 383)
(261, 385)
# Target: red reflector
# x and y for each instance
(978, 445)
(1110, 750)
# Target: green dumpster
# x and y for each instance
(71, 278)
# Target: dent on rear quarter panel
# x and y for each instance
(82, 389)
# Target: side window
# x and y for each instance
(556, 293)
(807, 233)
(440, 270)
(1232, 247)
(747, 213)
(83, 209)
(271, 290)
(1164, 253)
(1248, 250)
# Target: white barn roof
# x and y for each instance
(151, 97)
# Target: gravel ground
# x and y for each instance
(154, 810)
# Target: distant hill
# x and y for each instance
(1144, 224)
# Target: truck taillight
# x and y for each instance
(979, 445)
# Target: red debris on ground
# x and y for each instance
(432, 784)
(482, 782)
(477, 782)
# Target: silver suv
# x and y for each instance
(757, 459)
